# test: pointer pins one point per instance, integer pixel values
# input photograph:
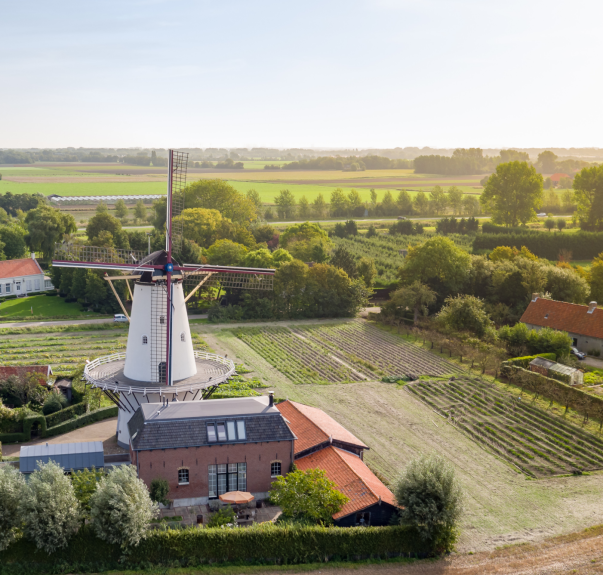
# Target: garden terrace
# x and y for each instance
(524, 435)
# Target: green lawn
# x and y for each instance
(43, 306)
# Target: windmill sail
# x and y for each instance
(178, 162)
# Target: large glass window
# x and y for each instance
(211, 433)
(232, 477)
(242, 479)
(222, 479)
(221, 432)
(213, 482)
(232, 434)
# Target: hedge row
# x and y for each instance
(525, 360)
(196, 546)
(70, 425)
(65, 414)
(490, 228)
(570, 397)
(583, 245)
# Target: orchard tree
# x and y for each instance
(307, 495)
(121, 508)
(431, 500)
(414, 297)
(343, 259)
(466, 313)
(513, 193)
(140, 211)
(561, 223)
(366, 270)
(12, 484)
(549, 224)
(48, 508)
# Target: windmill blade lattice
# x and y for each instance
(178, 183)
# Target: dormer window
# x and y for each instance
(145, 340)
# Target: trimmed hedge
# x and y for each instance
(195, 546)
(490, 228)
(583, 245)
(65, 414)
(525, 361)
(70, 425)
(570, 397)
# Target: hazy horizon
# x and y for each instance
(335, 75)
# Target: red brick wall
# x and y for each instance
(165, 464)
(539, 369)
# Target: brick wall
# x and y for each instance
(165, 463)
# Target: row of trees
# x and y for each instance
(50, 507)
(341, 204)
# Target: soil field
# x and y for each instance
(503, 505)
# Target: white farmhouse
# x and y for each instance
(22, 277)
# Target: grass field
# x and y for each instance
(43, 307)
(503, 505)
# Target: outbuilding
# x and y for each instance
(22, 277)
(70, 456)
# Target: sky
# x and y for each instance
(311, 73)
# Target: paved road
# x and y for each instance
(71, 322)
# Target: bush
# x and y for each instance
(65, 414)
(159, 490)
(222, 517)
(53, 403)
(48, 508)
(11, 489)
(308, 494)
(121, 508)
(525, 360)
(431, 499)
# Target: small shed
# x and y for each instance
(558, 371)
(68, 455)
(64, 386)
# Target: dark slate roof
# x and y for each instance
(152, 430)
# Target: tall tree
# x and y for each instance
(285, 204)
(140, 211)
(47, 226)
(339, 203)
(319, 206)
(513, 193)
(455, 199)
(404, 202)
(304, 208)
(438, 200)
(121, 211)
(547, 162)
(588, 193)
(373, 198)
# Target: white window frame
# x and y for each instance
(8, 288)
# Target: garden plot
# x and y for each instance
(299, 358)
(375, 352)
(526, 436)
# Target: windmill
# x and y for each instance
(160, 363)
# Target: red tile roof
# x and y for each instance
(564, 316)
(351, 476)
(556, 177)
(16, 268)
(6, 371)
(313, 426)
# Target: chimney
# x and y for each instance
(33, 256)
(270, 398)
(592, 306)
(535, 296)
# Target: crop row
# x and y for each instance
(535, 441)
(377, 351)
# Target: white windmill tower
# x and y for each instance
(159, 363)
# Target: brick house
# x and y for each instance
(206, 448)
(322, 443)
(583, 323)
(23, 276)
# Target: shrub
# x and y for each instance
(11, 488)
(53, 403)
(221, 517)
(307, 494)
(84, 484)
(121, 508)
(48, 508)
(159, 490)
(431, 499)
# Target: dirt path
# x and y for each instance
(502, 507)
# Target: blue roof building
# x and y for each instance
(68, 455)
